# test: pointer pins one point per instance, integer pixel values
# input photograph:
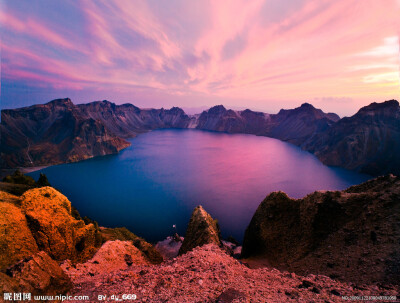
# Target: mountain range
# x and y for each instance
(60, 131)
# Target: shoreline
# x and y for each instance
(25, 170)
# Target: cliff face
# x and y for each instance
(60, 132)
(294, 125)
(342, 234)
(368, 142)
(300, 124)
(53, 133)
(127, 120)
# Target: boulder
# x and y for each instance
(118, 254)
(202, 229)
(111, 257)
(123, 234)
(38, 274)
(16, 240)
(55, 230)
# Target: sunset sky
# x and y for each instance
(262, 54)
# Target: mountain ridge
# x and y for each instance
(60, 131)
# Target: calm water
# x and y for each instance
(158, 181)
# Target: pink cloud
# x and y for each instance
(35, 29)
(257, 51)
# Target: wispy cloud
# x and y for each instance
(236, 50)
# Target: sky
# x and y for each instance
(261, 54)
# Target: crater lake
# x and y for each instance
(158, 181)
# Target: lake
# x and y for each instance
(157, 182)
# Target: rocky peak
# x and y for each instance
(202, 229)
(65, 102)
(216, 110)
(307, 106)
(387, 107)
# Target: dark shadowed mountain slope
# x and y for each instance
(293, 125)
(218, 118)
(350, 235)
(60, 132)
(368, 142)
(52, 133)
(127, 120)
(299, 124)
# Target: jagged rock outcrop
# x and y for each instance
(202, 229)
(48, 213)
(368, 142)
(37, 274)
(16, 240)
(41, 219)
(123, 234)
(342, 234)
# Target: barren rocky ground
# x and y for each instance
(208, 274)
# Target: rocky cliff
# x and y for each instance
(368, 142)
(127, 120)
(60, 132)
(55, 132)
(300, 124)
(293, 125)
(351, 235)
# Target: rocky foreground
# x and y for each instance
(340, 244)
(205, 274)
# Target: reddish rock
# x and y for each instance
(16, 240)
(39, 274)
(55, 230)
